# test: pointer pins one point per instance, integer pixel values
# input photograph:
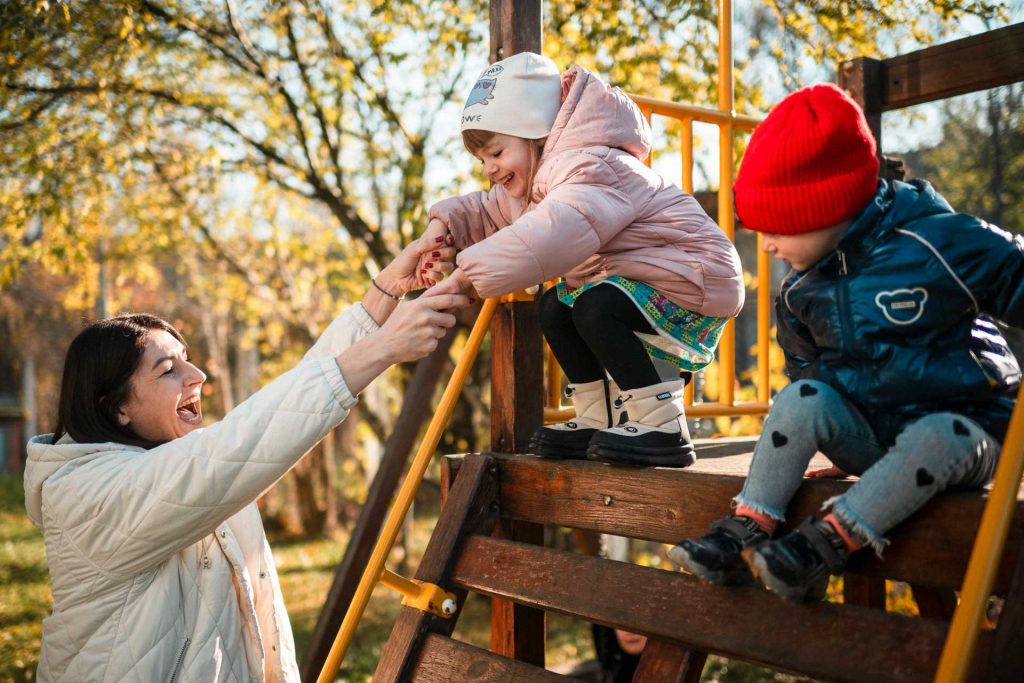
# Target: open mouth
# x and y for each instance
(507, 179)
(191, 411)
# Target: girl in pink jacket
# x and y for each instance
(649, 278)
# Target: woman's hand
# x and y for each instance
(409, 270)
(409, 333)
(413, 329)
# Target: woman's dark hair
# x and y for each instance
(97, 378)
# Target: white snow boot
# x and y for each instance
(593, 404)
(655, 433)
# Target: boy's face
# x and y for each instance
(506, 161)
(802, 251)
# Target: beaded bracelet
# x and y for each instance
(384, 291)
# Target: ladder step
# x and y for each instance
(445, 660)
(665, 505)
(747, 623)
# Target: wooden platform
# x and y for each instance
(686, 618)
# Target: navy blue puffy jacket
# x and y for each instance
(899, 317)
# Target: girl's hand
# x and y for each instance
(404, 275)
(430, 269)
(827, 473)
(457, 283)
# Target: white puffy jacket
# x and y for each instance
(160, 567)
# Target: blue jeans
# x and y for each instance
(930, 454)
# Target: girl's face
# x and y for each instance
(506, 161)
(165, 392)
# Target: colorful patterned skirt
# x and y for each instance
(684, 338)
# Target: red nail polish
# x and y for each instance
(422, 271)
(436, 254)
(430, 264)
(439, 239)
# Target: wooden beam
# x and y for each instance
(987, 60)
(665, 505)
(1006, 662)
(862, 78)
(443, 660)
(515, 27)
(663, 662)
(472, 507)
(821, 640)
(517, 367)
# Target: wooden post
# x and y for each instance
(517, 369)
(862, 78)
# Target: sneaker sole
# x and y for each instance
(813, 592)
(718, 577)
(643, 457)
(567, 447)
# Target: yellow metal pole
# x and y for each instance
(400, 509)
(988, 548)
(726, 347)
(764, 286)
(686, 145)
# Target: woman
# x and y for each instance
(160, 567)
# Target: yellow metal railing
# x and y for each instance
(375, 571)
(988, 548)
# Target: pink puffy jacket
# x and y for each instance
(597, 211)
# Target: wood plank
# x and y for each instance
(987, 60)
(864, 591)
(1006, 663)
(665, 505)
(472, 507)
(450, 661)
(663, 662)
(747, 623)
(518, 631)
(862, 78)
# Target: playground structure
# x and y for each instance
(489, 538)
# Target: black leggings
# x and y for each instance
(596, 334)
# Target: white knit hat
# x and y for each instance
(517, 96)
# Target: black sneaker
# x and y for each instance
(716, 556)
(798, 565)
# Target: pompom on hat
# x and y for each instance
(810, 164)
(517, 96)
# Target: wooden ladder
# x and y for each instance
(683, 617)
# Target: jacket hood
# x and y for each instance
(895, 203)
(594, 114)
(46, 458)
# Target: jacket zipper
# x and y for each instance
(177, 663)
(845, 323)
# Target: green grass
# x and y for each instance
(24, 585)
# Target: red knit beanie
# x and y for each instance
(810, 164)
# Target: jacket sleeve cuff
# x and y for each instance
(335, 380)
(353, 324)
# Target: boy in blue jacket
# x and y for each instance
(899, 374)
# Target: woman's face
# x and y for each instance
(506, 161)
(164, 402)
